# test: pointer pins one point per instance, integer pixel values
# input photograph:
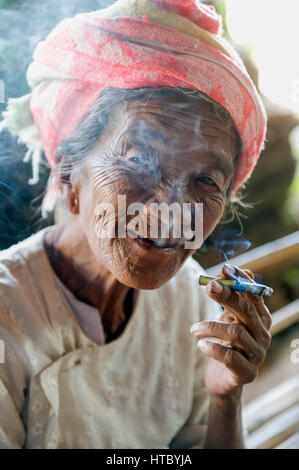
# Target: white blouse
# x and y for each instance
(60, 388)
(88, 317)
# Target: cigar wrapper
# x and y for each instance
(239, 286)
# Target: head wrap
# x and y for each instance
(133, 43)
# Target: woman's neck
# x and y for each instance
(73, 262)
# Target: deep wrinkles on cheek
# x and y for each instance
(115, 169)
(106, 175)
(213, 204)
(98, 192)
(104, 206)
(213, 207)
(103, 167)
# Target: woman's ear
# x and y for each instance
(69, 190)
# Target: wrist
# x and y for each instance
(233, 397)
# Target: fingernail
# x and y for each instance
(202, 344)
(216, 287)
(230, 269)
(194, 328)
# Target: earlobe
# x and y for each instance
(74, 188)
(70, 198)
(75, 209)
(68, 184)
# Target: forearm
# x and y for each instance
(225, 422)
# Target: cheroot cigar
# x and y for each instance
(239, 285)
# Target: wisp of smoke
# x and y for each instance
(227, 243)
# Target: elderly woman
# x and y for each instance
(147, 101)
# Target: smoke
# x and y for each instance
(23, 23)
(227, 243)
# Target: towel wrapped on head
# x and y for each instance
(133, 43)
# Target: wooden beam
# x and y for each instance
(270, 404)
(291, 443)
(275, 431)
(285, 317)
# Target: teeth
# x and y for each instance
(163, 244)
(159, 243)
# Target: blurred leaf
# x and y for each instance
(222, 10)
(291, 276)
(2, 3)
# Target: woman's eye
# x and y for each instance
(205, 180)
(138, 159)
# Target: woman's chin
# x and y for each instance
(147, 284)
(146, 279)
(145, 267)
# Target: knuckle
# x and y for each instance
(242, 304)
(228, 357)
(230, 296)
(236, 331)
(260, 355)
(266, 316)
(266, 310)
(250, 375)
(215, 348)
(269, 320)
(268, 338)
(239, 380)
(212, 326)
(250, 309)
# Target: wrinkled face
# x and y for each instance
(162, 151)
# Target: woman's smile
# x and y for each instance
(160, 245)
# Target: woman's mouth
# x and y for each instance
(160, 244)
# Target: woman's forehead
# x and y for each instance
(177, 123)
(169, 110)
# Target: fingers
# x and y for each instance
(235, 335)
(243, 371)
(249, 273)
(233, 272)
(245, 311)
(262, 311)
(241, 339)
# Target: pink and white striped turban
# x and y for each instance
(131, 44)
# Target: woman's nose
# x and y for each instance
(169, 192)
(165, 212)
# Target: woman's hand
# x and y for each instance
(241, 337)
